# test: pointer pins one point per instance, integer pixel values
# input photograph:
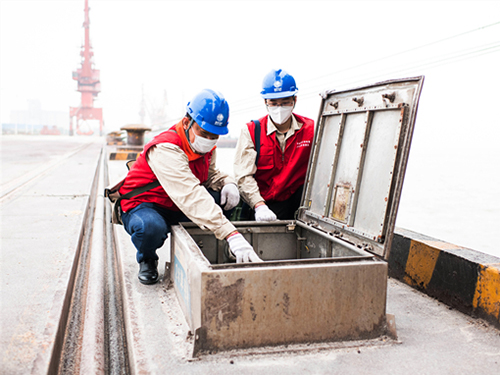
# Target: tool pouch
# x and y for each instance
(114, 196)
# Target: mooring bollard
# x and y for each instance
(135, 143)
(135, 134)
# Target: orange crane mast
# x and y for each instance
(89, 85)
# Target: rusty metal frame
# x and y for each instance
(313, 163)
(257, 304)
(364, 109)
(368, 122)
(342, 102)
(394, 180)
(338, 146)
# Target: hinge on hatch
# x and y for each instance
(337, 234)
(366, 246)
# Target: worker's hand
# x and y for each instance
(263, 213)
(242, 250)
(229, 196)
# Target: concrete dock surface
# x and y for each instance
(46, 184)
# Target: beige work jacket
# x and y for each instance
(171, 166)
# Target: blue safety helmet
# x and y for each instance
(278, 84)
(210, 111)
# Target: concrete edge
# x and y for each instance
(462, 278)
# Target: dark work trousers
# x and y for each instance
(149, 224)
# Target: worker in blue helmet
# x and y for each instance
(178, 171)
(273, 152)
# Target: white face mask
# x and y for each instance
(203, 145)
(280, 115)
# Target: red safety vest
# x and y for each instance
(141, 174)
(279, 174)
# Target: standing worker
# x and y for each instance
(182, 159)
(272, 153)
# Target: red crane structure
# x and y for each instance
(89, 85)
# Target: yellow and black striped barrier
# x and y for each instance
(462, 278)
(123, 155)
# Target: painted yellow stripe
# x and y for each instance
(123, 156)
(118, 156)
(487, 294)
(422, 259)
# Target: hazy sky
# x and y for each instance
(451, 186)
(185, 46)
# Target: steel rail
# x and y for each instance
(116, 349)
(66, 354)
(91, 333)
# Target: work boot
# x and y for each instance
(148, 271)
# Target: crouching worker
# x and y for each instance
(191, 188)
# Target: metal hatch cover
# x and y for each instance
(357, 165)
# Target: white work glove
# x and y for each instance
(229, 196)
(263, 213)
(242, 250)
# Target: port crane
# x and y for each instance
(89, 85)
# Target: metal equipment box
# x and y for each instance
(324, 277)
